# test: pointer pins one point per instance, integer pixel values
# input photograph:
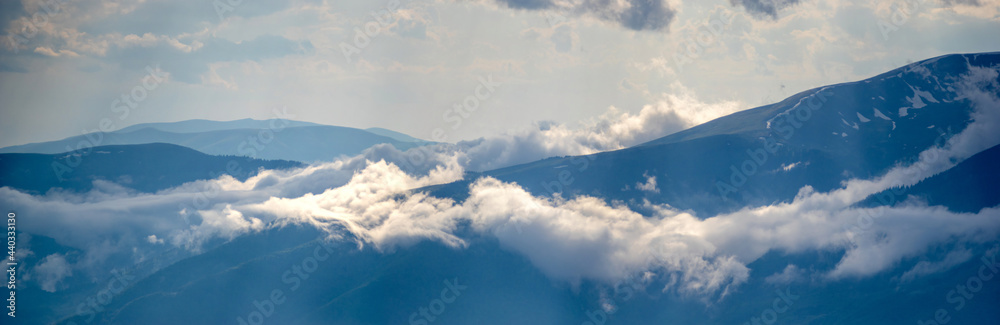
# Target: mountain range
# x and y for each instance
(263, 139)
(819, 139)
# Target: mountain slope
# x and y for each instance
(144, 167)
(396, 135)
(967, 187)
(819, 137)
(364, 286)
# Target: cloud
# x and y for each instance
(110, 221)
(562, 38)
(570, 240)
(226, 224)
(764, 8)
(527, 4)
(649, 185)
(136, 35)
(976, 3)
(585, 238)
(790, 274)
(169, 17)
(49, 52)
(654, 15)
(612, 130)
(189, 62)
(9, 11)
(52, 270)
(153, 240)
(925, 267)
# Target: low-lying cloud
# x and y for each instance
(613, 130)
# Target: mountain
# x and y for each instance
(819, 137)
(321, 282)
(295, 274)
(198, 125)
(269, 140)
(396, 135)
(143, 167)
(976, 177)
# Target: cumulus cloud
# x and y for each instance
(585, 238)
(52, 270)
(139, 34)
(613, 130)
(570, 240)
(632, 14)
(649, 185)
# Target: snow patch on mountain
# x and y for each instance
(822, 92)
(879, 114)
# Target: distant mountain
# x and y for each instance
(142, 167)
(307, 143)
(396, 135)
(198, 125)
(819, 137)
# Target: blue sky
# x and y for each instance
(555, 61)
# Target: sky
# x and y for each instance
(473, 68)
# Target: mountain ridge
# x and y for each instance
(852, 130)
(307, 144)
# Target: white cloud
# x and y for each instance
(790, 274)
(611, 131)
(52, 270)
(153, 240)
(49, 52)
(649, 185)
(923, 268)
